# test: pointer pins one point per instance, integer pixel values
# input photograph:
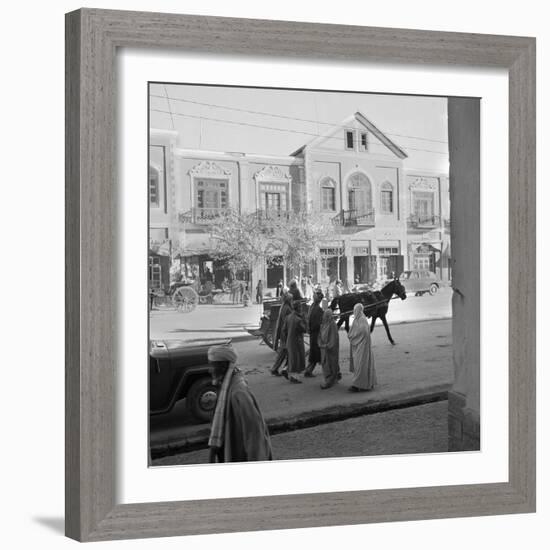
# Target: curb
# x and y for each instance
(277, 425)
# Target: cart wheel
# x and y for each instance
(267, 332)
(268, 338)
(185, 299)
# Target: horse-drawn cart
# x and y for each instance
(268, 320)
(180, 296)
(375, 305)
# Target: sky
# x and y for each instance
(279, 121)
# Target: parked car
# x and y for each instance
(179, 370)
(420, 281)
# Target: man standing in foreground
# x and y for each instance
(239, 432)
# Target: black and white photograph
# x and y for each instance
(300, 273)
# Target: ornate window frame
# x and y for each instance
(208, 169)
(272, 173)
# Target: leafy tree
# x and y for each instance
(242, 240)
(300, 238)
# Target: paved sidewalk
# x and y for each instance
(418, 369)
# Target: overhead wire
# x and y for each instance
(286, 117)
(286, 130)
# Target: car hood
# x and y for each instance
(173, 348)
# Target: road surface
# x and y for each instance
(421, 429)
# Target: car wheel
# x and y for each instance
(201, 399)
(433, 289)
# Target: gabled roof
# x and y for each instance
(364, 121)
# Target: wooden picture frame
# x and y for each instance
(92, 39)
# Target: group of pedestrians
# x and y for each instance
(239, 432)
(324, 341)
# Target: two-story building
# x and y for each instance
(384, 218)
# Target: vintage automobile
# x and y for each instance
(420, 281)
(179, 370)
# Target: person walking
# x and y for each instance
(280, 336)
(294, 290)
(239, 432)
(329, 344)
(285, 309)
(279, 290)
(295, 329)
(361, 356)
(314, 317)
(259, 292)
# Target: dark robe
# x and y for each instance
(246, 436)
(294, 291)
(314, 317)
(286, 308)
(329, 343)
(295, 328)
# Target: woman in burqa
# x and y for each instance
(329, 344)
(361, 356)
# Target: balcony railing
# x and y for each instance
(206, 215)
(421, 222)
(351, 218)
(273, 214)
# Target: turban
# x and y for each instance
(222, 353)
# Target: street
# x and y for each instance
(230, 321)
(419, 365)
(421, 429)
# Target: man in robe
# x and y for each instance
(295, 329)
(285, 309)
(294, 290)
(239, 432)
(329, 343)
(361, 356)
(314, 317)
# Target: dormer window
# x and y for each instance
(350, 140)
(363, 143)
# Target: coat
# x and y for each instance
(295, 329)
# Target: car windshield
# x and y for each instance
(405, 275)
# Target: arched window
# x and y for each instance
(386, 198)
(328, 194)
(154, 188)
(359, 194)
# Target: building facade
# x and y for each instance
(384, 219)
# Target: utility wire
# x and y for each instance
(286, 117)
(169, 107)
(279, 129)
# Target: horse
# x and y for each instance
(375, 304)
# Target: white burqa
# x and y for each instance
(361, 356)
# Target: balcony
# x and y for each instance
(424, 222)
(201, 216)
(351, 218)
(273, 214)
